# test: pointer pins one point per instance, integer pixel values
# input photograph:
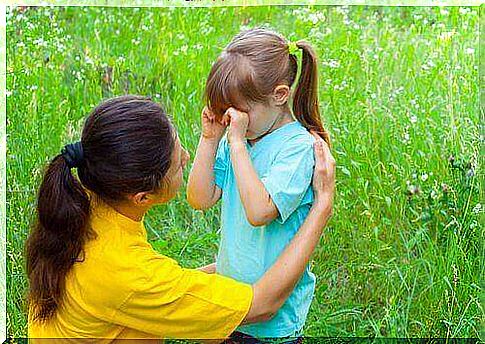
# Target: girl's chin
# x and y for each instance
(250, 135)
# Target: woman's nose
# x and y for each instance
(186, 158)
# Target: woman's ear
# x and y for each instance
(280, 95)
(141, 198)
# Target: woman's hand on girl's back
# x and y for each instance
(212, 129)
(324, 173)
(238, 125)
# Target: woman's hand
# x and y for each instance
(238, 125)
(212, 129)
(324, 173)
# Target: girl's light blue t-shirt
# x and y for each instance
(284, 162)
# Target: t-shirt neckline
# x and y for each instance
(271, 134)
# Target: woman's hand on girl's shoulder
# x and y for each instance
(324, 173)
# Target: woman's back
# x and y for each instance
(121, 288)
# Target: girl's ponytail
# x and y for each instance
(305, 99)
(57, 237)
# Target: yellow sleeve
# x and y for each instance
(183, 303)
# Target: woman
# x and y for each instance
(92, 272)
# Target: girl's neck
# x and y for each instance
(284, 118)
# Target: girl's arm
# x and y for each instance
(258, 205)
(202, 192)
(272, 290)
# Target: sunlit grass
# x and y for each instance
(399, 95)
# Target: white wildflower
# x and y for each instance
(331, 63)
(88, 60)
(445, 36)
(40, 42)
(477, 208)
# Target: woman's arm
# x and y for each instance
(272, 290)
(202, 192)
(208, 269)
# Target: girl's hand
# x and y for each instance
(212, 129)
(238, 126)
(324, 173)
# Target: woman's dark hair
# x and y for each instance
(253, 64)
(127, 143)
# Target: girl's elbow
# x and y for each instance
(260, 219)
(257, 221)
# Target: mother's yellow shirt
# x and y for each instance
(124, 289)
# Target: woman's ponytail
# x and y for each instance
(305, 99)
(126, 147)
(57, 237)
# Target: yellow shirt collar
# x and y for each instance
(102, 210)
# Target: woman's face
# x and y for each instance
(174, 177)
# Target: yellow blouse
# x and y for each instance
(125, 289)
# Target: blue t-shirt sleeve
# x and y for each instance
(220, 164)
(290, 176)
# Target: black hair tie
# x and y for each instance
(73, 154)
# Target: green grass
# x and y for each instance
(399, 93)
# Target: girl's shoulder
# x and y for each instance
(298, 135)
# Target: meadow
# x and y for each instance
(399, 93)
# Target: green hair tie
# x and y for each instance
(292, 48)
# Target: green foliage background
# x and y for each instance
(399, 94)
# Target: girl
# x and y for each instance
(263, 168)
(92, 272)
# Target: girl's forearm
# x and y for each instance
(256, 200)
(272, 290)
(201, 188)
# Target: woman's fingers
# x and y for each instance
(324, 172)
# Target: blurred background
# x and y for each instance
(399, 94)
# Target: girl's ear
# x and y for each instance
(280, 95)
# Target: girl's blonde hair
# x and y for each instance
(253, 64)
